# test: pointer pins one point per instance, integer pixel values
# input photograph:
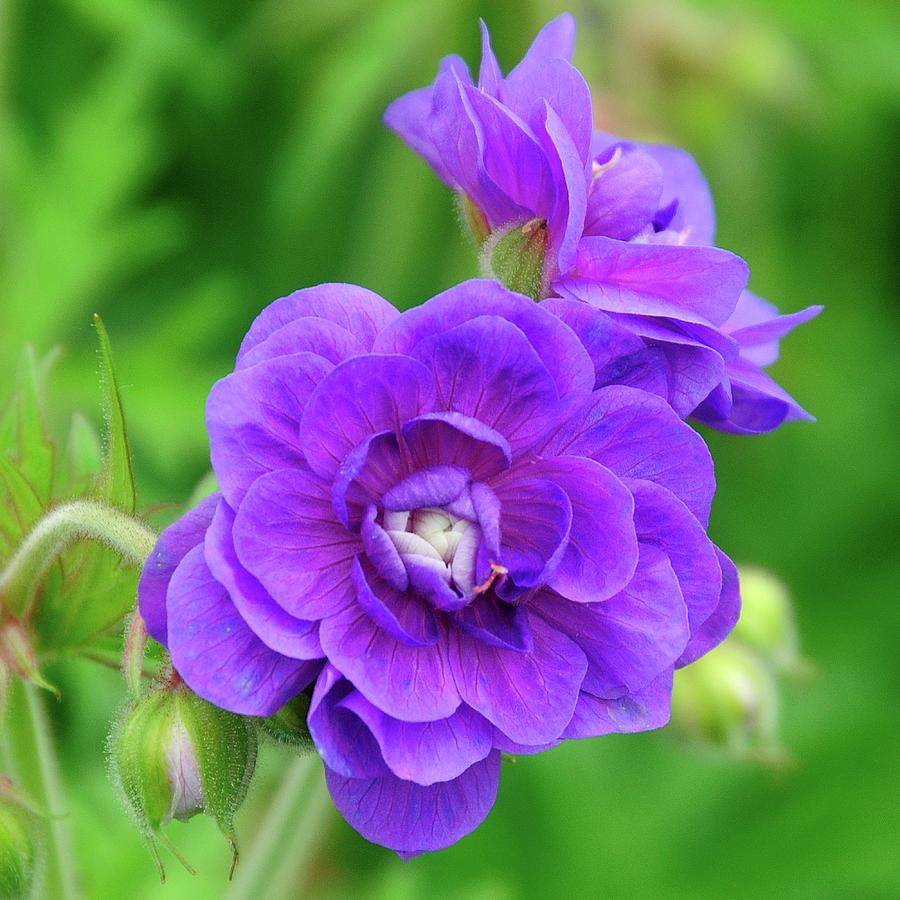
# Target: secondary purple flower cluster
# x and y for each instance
(479, 526)
(629, 228)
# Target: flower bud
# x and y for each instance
(515, 257)
(767, 618)
(18, 847)
(175, 755)
(728, 699)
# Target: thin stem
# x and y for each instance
(59, 529)
(286, 837)
(62, 878)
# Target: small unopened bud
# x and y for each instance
(175, 755)
(288, 725)
(515, 257)
(767, 618)
(728, 699)
(18, 846)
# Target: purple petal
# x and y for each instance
(662, 520)
(382, 552)
(358, 399)
(308, 334)
(343, 740)
(529, 696)
(758, 404)
(643, 710)
(426, 752)
(559, 348)
(359, 311)
(401, 615)
(489, 75)
(688, 284)
(452, 439)
(409, 683)
(218, 655)
(287, 535)
(630, 638)
(435, 486)
(625, 193)
(408, 116)
(171, 547)
(558, 83)
(253, 418)
(566, 218)
(683, 181)
(637, 435)
(457, 133)
(602, 551)
(512, 159)
(718, 626)
(277, 629)
(606, 341)
(491, 621)
(535, 522)
(365, 473)
(759, 342)
(411, 818)
(556, 40)
(487, 369)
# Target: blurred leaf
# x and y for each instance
(117, 481)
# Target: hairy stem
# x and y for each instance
(59, 529)
(274, 865)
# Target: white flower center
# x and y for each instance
(437, 539)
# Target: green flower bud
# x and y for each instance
(767, 618)
(288, 725)
(728, 699)
(515, 257)
(18, 846)
(175, 755)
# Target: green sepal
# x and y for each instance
(288, 725)
(18, 850)
(515, 257)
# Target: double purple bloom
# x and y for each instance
(629, 228)
(448, 528)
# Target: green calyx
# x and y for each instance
(288, 725)
(515, 257)
(175, 755)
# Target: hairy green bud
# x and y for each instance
(515, 257)
(175, 755)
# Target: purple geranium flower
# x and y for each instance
(434, 523)
(628, 227)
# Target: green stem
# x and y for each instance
(59, 529)
(46, 786)
(274, 866)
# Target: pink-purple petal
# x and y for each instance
(426, 752)
(529, 696)
(411, 818)
(253, 417)
(277, 629)
(361, 312)
(359, 398)
(217, 654)
(409, 683)
(171, 547)
(286, 534)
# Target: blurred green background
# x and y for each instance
(177, 164)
